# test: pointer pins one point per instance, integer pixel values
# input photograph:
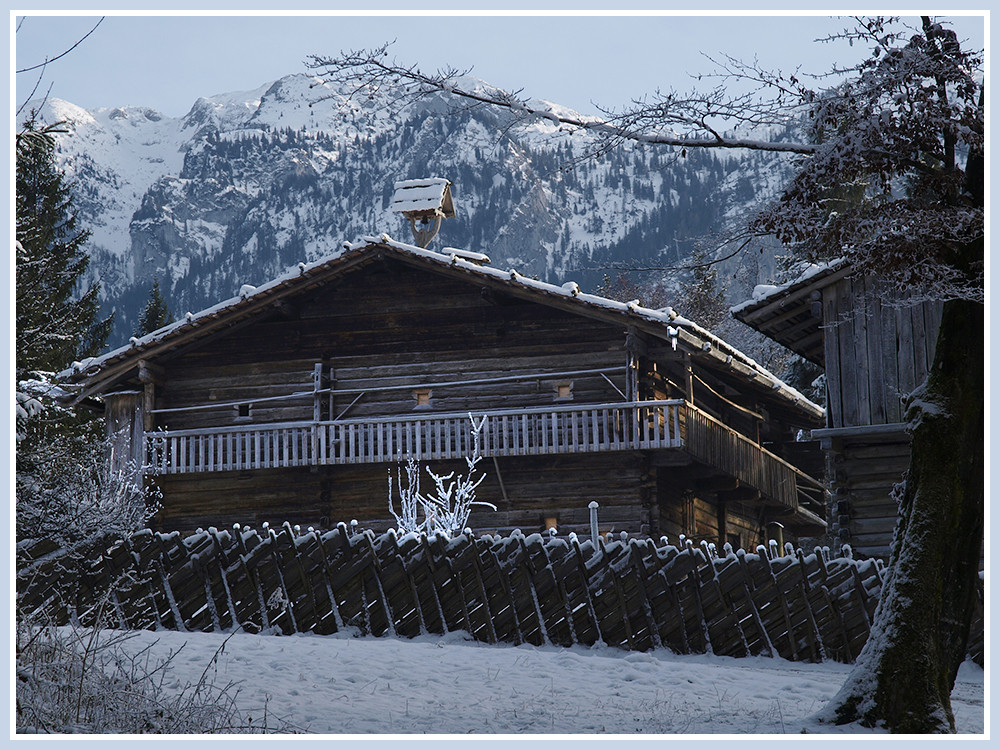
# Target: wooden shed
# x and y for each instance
(294, 401)
(875, 348)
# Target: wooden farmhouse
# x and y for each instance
(875, 349)
(294, 401)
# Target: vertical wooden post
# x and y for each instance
(723, 519)
(317, 387)
(688, 379)
(317, 417)
(123, 425)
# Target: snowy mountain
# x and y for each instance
(247, 184)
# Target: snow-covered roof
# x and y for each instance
(764, 293)
(664, 323)
(429, 195)
(789, 313)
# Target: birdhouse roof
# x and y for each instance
(430, 196)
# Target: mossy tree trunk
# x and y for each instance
(904, 676)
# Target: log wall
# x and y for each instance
(526, 490)
(863, 468)
(386, 331)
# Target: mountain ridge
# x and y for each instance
(249, 183)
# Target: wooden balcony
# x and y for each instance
(426, 436)
(555, 430)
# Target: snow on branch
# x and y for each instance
(447, 510)
(667, 119)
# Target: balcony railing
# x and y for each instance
(644, 425)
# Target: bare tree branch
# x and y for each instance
(62, 54)
(366, 73)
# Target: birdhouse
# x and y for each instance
(425, 202)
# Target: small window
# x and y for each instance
(551, 522)
(422, 397)
(564, 391)
(243, 412)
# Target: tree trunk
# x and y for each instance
(905, 674)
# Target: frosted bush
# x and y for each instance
(445, 511)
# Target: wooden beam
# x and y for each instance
(148, 404)
(741, 494)
(151, 373)
(717, 483)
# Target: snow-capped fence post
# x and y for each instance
(628, 593)
(593, 522)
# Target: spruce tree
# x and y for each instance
(60, 486)
(155, 314)
(53, 327)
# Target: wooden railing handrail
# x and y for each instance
(805, 478)
(422, 416)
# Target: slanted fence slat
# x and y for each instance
(631, 594)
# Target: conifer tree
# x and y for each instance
(53, 327)
(155, 314)
(60, 491)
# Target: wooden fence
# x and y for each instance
(632, 594)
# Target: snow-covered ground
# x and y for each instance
(449, 685)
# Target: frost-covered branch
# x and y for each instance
(447, 510)
(666, 119)
(65, 489)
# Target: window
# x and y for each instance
(243, 412)
(422, 397)
(564, 391)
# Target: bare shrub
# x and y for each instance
(84, 680)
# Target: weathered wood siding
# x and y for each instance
(387, 330)
(526, 491)
(123, 427)
(877, 350)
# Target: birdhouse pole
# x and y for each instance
(424, 202)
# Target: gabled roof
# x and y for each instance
(99, 374)
(791, 313)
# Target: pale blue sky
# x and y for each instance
(167, 62)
